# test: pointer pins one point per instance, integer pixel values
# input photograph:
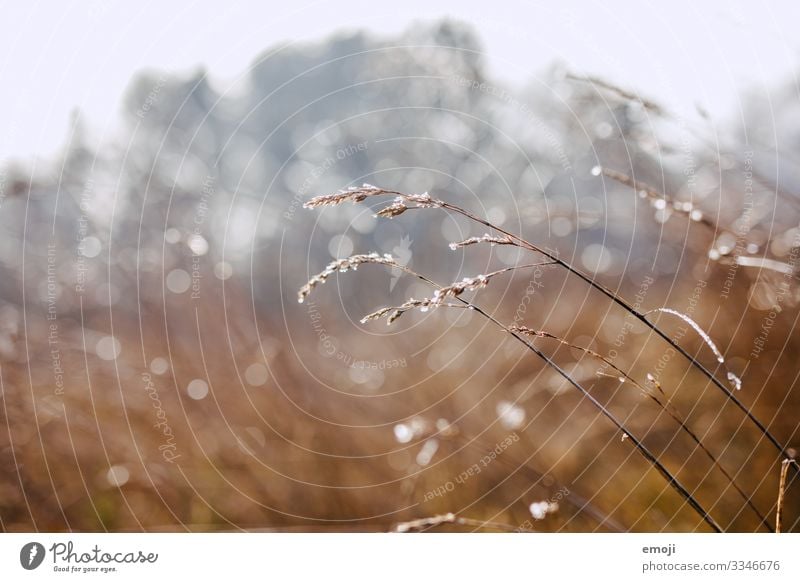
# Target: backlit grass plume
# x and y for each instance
(452, 296)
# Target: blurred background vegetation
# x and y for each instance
(159, 374)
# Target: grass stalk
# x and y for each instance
(404, 202)
(638, 445)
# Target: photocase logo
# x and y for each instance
(402, 254)
(31, 555)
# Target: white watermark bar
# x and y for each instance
(369, 557)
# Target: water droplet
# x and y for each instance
(90, 247)
(159, 366)
(496, 215)
(178, 281)
(539, 509)
(429, 449)
(662, 216)
(256, 374)
(403, 433)
(340, 246)
(108, 348)
(172, 235)
(117, 475)
(596, 171)
(198, 245)
(197, 389)
(735, 380)
(223, 270)
(603, 130)
(511, 416)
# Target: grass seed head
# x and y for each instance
(353, 194)
(342, 266)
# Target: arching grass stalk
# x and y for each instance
(403, 202)
(655, 393)
(392, 313)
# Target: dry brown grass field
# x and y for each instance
(159, 374)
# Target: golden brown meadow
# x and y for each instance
(531, 379)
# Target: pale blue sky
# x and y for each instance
(55, 55)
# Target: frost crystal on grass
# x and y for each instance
(762, 263)
(511, 416)
(540, 509)
(353, 194)
(703, 335)
(735, 380)
(403, 433)
(396, 208)
(486, 238)
(357, 194)
(658, 200)
(425, 454)
(342, 266)
(732, 378)
(394, 313)
(456, 289)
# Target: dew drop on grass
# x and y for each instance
(172, 235)
(178, 281)
(540, 509)
(256, 374)
(108, 348)
(735, 380)
(699, 330)
(159, 366)
(403, 433)
(223, 270)
(732, 378)
(197, 389)
(198, 245)
(90, 247)
(117, 475)
(511, 416)
(425, 455)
